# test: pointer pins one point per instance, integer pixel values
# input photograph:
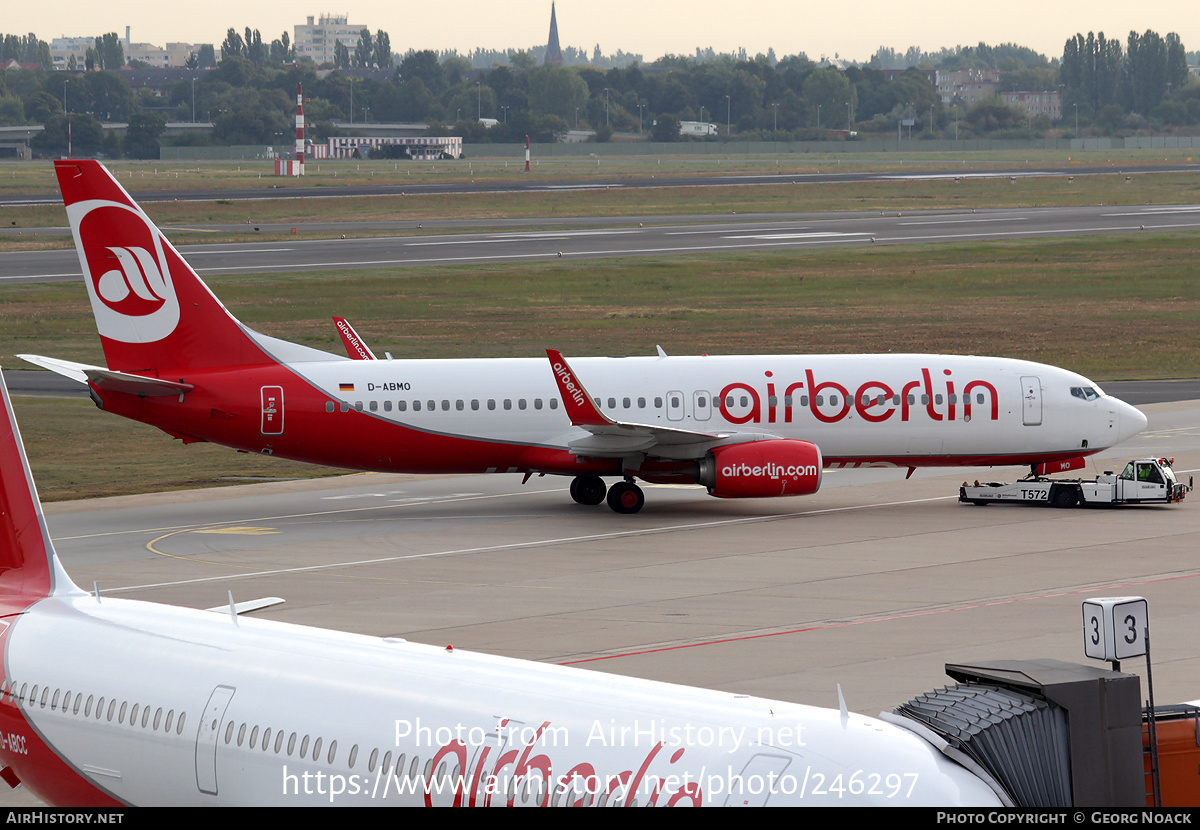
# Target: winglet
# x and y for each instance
(356, 347)
(580, 408)
(28, 567)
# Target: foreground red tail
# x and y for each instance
(27, 567)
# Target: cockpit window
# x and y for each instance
(1085, 393)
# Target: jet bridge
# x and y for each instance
(1048, 733)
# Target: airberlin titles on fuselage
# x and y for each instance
(874, 401)
(829, 401)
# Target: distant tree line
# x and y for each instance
(1109, 82)
(27, 49)
(249, 95)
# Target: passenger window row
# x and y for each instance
(443, 405)
(521, 404)
(866, 400)
(308, 747)
(257, 738)
(75, 704)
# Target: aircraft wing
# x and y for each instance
(107, 379)
(617, 438)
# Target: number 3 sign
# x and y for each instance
(1115, 628)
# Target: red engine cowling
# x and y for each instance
(762, 469)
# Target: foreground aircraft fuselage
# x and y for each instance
(116, 702)
(741, 426)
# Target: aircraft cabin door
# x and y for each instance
(763, 767)
(674, 406)
(206, 738)
(1031, 401)
(272, 410)
(701, 405)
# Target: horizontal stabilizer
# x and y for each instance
(109, 380)
(249, 606)
(66, 368)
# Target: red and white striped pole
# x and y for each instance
(299, 171)
(526, 153)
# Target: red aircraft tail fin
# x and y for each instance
(152, 310)
(28, 567)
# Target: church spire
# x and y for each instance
(553, 50)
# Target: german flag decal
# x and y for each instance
(345, 387)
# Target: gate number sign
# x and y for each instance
(1115, 628)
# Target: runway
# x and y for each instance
(295, 190)
(634, 236)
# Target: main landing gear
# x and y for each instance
(623, 497)
(588, 490)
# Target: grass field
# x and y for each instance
(1108, 307)
(78, 452)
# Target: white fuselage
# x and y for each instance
(160, 705)
(924, 409)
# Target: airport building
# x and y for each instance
(967, 86)
(317, 40)
(62, 49)
(421, 148)
(1037, 103)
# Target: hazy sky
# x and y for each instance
(853, 30)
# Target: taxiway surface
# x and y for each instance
(874, 582)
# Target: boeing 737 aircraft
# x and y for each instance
(741, 426)
(110, 702)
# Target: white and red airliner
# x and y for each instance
(741, 426)
(113, 702)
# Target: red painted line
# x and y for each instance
(875, 620)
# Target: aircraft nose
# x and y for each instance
(1131, 420)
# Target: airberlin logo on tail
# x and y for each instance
(137, 282)
(128, 278)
